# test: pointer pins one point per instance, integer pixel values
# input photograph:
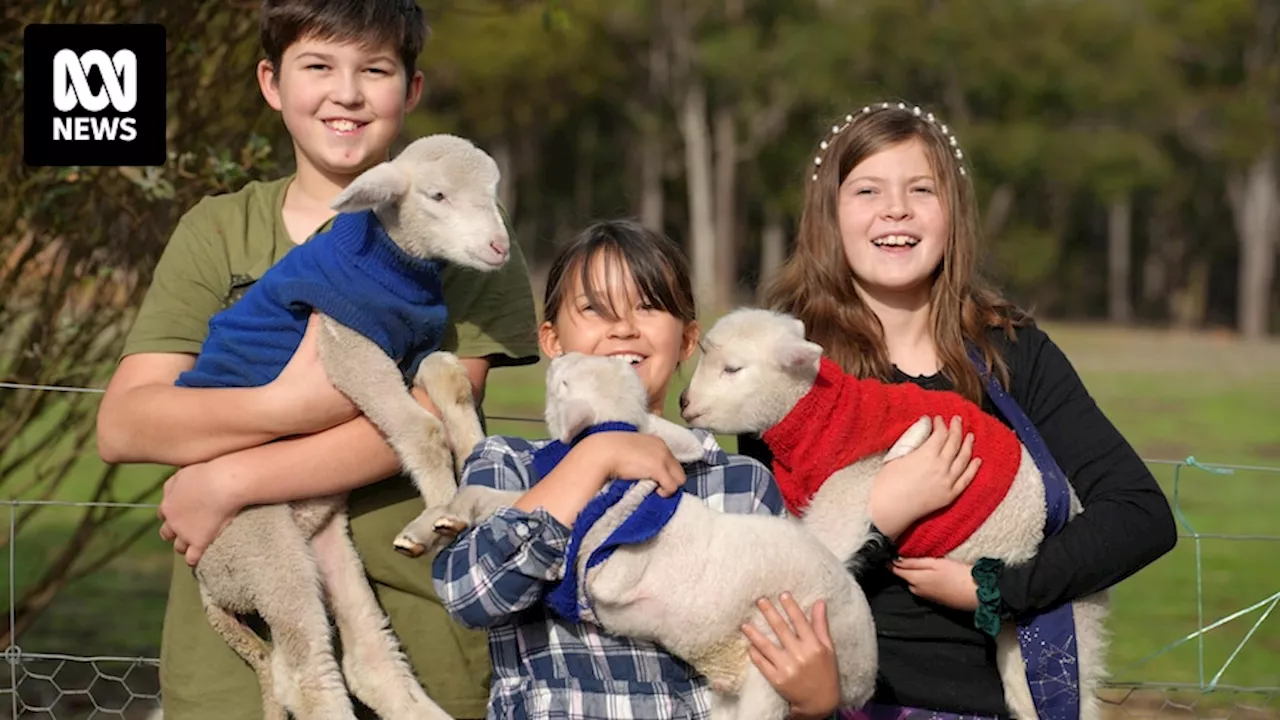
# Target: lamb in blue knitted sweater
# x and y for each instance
(374, 280)
(354, 273)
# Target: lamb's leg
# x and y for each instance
(615, 582)
(913, 438)
(758, 700)
(375, 668)
(365, 374)
(444, 379)
(262, 562)
(1013, 675)
(251, 648)
(684, 445)
(437, 526)
(724, 705)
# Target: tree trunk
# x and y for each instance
(999, 208)
(697, 154)
(652, 157)
(773, 248)
(726, 165)
(1253, 197)
(1189, 303)
(651, 195)
(506, 165)
(584, 182)
(1119, 242)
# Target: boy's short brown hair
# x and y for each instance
(396, 23)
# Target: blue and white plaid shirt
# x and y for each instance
(494, 576)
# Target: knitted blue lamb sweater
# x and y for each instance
(355, 274)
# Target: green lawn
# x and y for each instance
(1173, 396)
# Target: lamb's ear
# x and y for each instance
(684, 445)
(379, 186)
(576, 415)
(794, 354)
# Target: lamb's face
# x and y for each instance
(437, 199)
(755, 366)
(585, 390)
(451, 209)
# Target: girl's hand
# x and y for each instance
(596, 460)
(946, 582)
(637, 456)
(803, 669)
(197, 505)
(926, 479)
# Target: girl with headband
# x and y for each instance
(884, 276)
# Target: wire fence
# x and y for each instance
(59, 686)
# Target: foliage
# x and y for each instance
(76, 254)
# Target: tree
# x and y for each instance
(76, 255)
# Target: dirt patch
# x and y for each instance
(1267, 451)
(1164, 450)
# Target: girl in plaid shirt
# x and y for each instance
(617, 289)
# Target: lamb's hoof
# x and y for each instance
(449, 527)
(406, 545)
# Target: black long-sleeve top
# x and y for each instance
(933, 657)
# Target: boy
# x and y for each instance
(342, 75)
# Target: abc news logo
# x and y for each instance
(94, 95)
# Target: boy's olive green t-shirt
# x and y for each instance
(219, 248)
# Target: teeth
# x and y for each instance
(896, 240)
(341, 125)
(633, 359)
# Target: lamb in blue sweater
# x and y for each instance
(355, 274)
(374, 279)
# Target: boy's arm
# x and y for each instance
(143, 417)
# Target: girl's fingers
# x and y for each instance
(803, 630)
(962, 456)
(781, 629)
(915, 563)
(952, 444)
(969, 474)
(937, 436)
(762, 663)
(820, 630)
(763, 646)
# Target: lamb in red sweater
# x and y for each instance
(759, 374)
(844, 419)
(831, 433)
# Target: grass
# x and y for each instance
(1172, 395)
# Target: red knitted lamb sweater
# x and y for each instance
(843, 419)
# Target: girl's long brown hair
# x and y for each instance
(816, 283)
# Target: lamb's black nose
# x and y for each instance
(684, 399)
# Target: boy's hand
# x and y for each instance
(803, 669)
(926, 479)
(302, 399)
(197, 505)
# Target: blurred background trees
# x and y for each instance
(1125, 153)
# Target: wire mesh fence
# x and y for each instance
(37, 685)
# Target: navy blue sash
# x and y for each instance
(642, 524)
(1048, 639)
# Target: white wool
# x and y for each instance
(757, 365)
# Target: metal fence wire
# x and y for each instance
(54, 686)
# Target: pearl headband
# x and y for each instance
(848, 120)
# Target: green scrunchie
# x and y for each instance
(986, 573)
